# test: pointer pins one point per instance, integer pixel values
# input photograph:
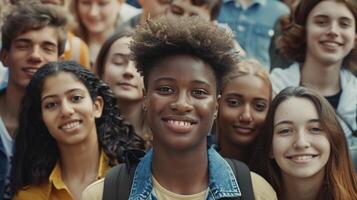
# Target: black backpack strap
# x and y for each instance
(242, 174)
(117, 182)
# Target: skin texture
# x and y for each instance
(242, 110)
(330, 33)
(98, 15)
(120, 72)
(68, 110)
(153, 8)
(181, 103)
(300, 146)
(186, 8)
(28, 52)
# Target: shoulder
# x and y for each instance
(261, 188)
(278, 6)
(94, 191)
(32, 192)
(282, 78)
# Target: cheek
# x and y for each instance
(277, 148)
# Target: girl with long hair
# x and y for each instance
(70, 133)
(243, 105)
(303, 152)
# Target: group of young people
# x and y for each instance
(160, 93)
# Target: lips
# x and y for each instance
(301, 158)
(30, 70)
(126, 85)
(70, 125)
(330, 44)
(243, 129)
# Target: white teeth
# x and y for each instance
(330, 44)
(179, 123)
(31, 70)
(70, 125)
(302, 157)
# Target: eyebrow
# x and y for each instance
(174, 80)
(290, 122)
(67, 92)
(241, 96)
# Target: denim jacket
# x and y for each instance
(218, 187)
(254, 25)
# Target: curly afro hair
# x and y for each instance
(163, 37)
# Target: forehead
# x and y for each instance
(183, 67)
(121, 46)
(296, 109)
(335, 9)
(250, 84)
(60, 83)
(46, 34)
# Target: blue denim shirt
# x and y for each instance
(218, 187)
(254, 25)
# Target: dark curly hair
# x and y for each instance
(36, 151)
(26, 17)
(163, 37)
(292, 41)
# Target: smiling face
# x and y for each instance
(98, 15)
(242, 110)
(28, 52)
(181, 102)
(120, 72)
(300, 146)
(330, 32)
(68, 110)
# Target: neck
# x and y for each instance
(133, 113)
(100, 37)
(237, 152)
(10, 103)
(182, 173)
(80, 161)
(302, 188)
(323, 78)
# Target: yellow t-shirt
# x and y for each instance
(164, 194)
(55, 188)
(261, 188)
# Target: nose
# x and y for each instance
(333, 29)
(182, 103)
(66, 109)
(301, 140)
(94, 10)
(130, 70)
(35, 55)
(246, 115)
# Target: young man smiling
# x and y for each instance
(183, 65)
(31, 36)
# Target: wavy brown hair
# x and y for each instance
(340, 181)
(292, 41)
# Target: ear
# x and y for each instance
(98, 106)
(4, 55)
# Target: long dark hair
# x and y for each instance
(36, 151)
(340, 180)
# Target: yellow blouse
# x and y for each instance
(55, 188)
